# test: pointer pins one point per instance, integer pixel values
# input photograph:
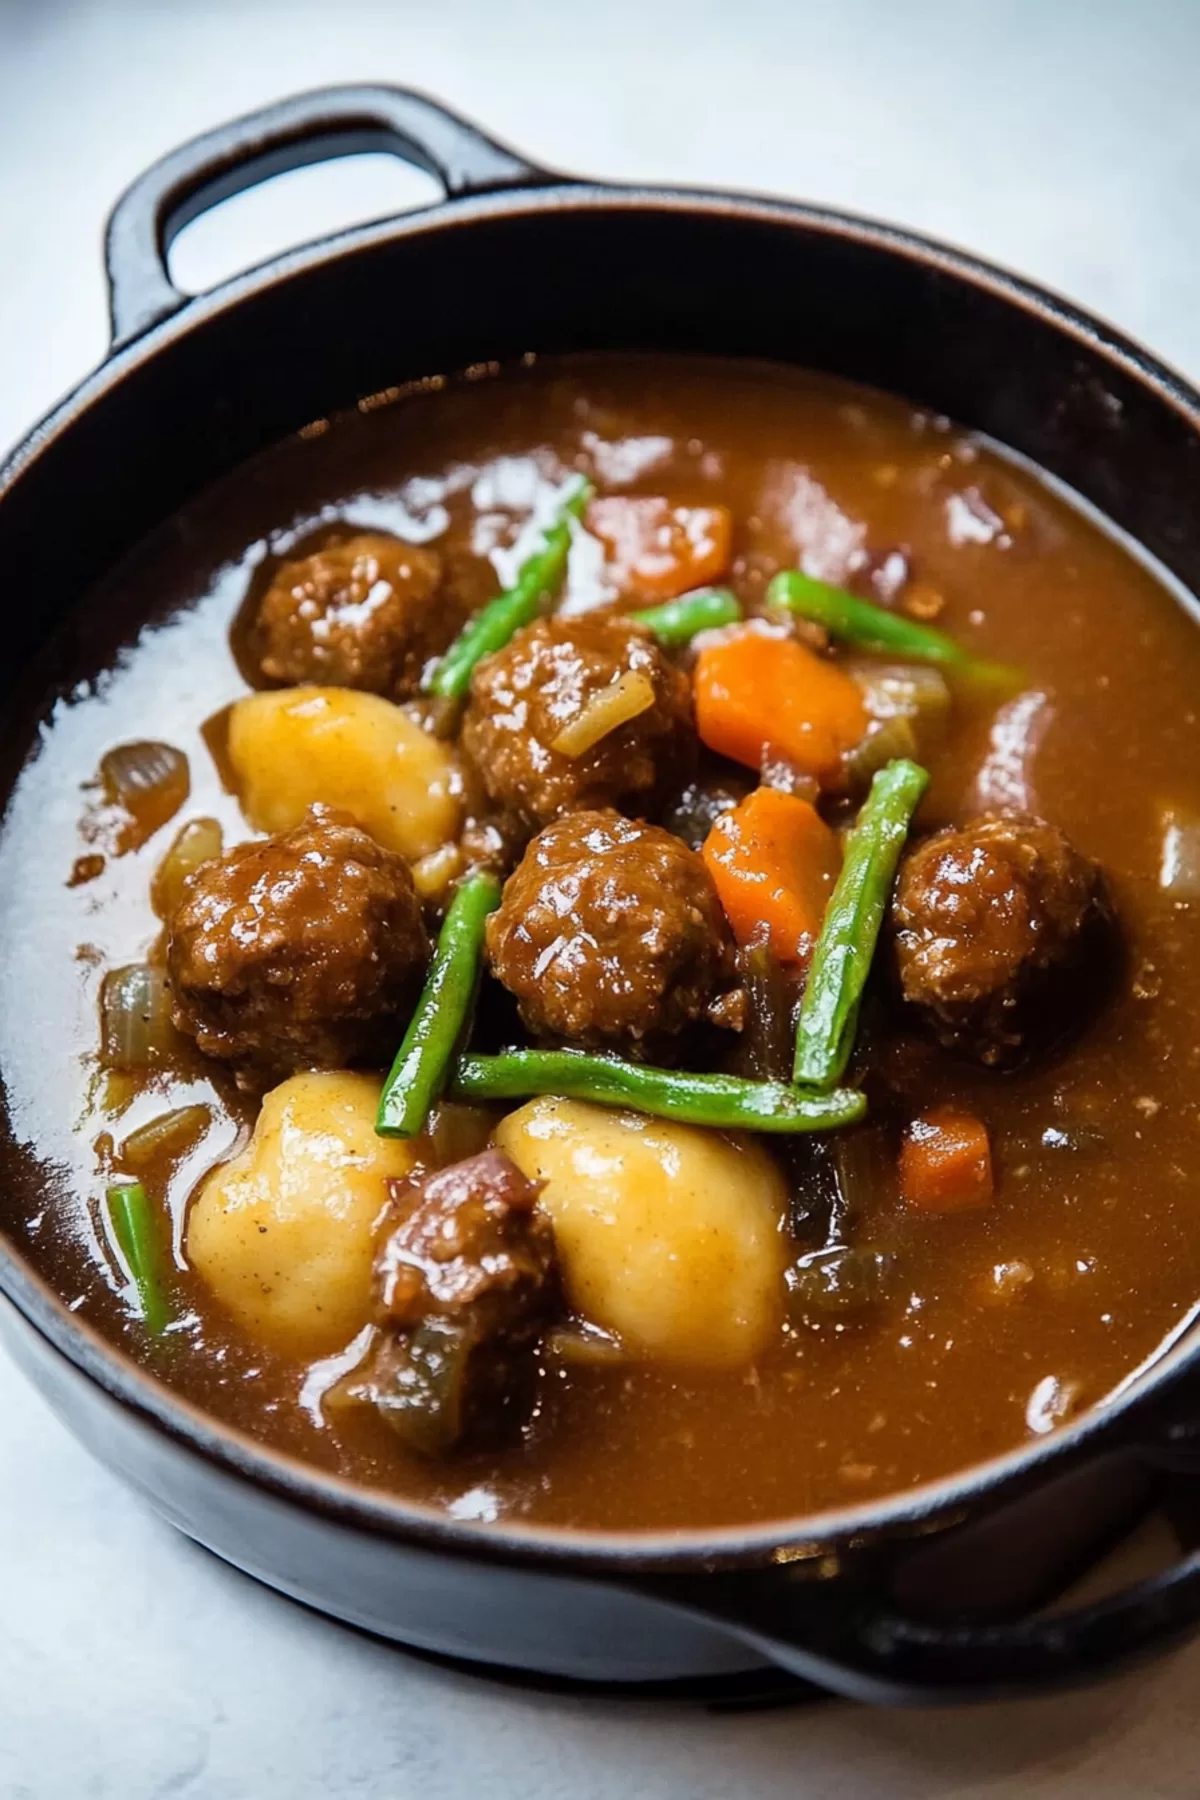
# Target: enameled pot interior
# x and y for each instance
(584, 269)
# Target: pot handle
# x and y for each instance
(852, 1644)
(310, 128)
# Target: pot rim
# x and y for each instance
(569, 193)
(385, 1514)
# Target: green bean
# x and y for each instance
(133, 1227)
(842, 956)
(423, 1060)
(875, 628)
(676, 622)
(492, 627)
(724, 1101)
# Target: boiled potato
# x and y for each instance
(668, 1236)
(295, 747)
(284, 1233)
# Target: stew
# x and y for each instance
(613, 943)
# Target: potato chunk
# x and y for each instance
(284, 1232)
(296, 747)
(668, 1236)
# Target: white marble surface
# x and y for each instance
(1060, 136)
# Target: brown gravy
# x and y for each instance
(1096, 1151)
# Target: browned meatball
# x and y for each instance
(610, 934)
(465, 1281)
(995, 925)
(524, 696)
(300, 951)
(364, 612)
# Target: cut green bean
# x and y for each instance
(724, 1101)
(136, 1233)
(846, 945)
(539, 576)
(857, 621)
(676, 622)
(418, 1075)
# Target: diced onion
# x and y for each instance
(768, 1042)
(1005, 779)
(112, 1091)
(584, 1345)
(903, 690)
(865, 1167)
(909, 705)
(150, 782)
(1179, 861)
(433, 874)
(1051, 1404)
(199, 841)
(623, 699)
(886, 741)
(170, 1131)
(135, 1018)
(837, 1283)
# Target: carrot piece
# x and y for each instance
(658, 550)
(755, 692)
(946, 1162)
(773, 861)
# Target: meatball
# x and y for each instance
(996, 926)
(465, 1282)
(297, 952)
(524, 696)
(363, 612)
(610, 934)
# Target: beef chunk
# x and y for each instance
(610, 934)
(465, 1244)
(465, 1283)
(524, 695)
(304, 950)
(997, 927)
(363, 612)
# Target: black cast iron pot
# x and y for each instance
(927, 1595)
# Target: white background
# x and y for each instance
(1059, 136)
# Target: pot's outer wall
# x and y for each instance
(548, 1622)
(513, 1617)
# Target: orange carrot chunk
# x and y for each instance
(657, 550)
(773, 861)
(755, 692)
(946, 1162)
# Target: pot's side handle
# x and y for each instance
(314, 127)
(851, 1643)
